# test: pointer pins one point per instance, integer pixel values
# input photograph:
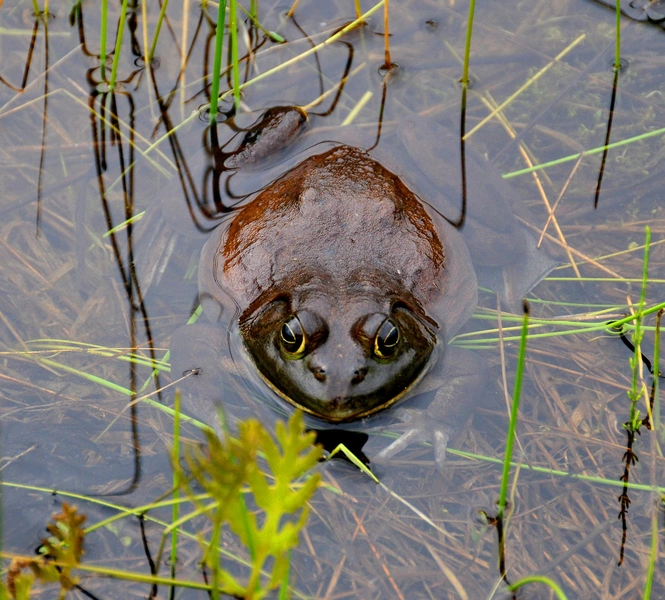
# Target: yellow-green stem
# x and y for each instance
(153, 46)
(617, 48)
(233, 25)
(217, 63)
(102, 40)
(656, 374)
(517, 392)
(176, 481)
(467, 43)
(118, 44)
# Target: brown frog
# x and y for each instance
(345, 288)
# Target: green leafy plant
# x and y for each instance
(637, 391)
(60, 553)
(262, 504)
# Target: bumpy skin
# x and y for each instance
(343, 244)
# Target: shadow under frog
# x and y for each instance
(339, 287)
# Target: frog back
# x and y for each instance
(340, 216)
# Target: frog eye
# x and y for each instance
(386, 339)
(292, 337)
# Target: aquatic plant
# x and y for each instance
(59, 555)
(572, 413)
(257, 487)
(264, 507)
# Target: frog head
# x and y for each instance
(339, 352)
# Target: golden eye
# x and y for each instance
(292, 337)
(386, 339)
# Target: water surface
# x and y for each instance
(71, 302)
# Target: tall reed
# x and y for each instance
(217, 63)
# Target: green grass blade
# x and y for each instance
(617, 47)
(175, 509)
(284, 587)
(233, 26)
(517, 391)
(526, 85)
(331, 40)
(217, 62)
(558, 592)
(467, 44)
(275, 37)
(598, 150)
(641, 487)
(648, 583)
(160, 19)
(118, 44)
(656, 374)
(354, 460)
(102, 39)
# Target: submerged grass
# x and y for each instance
(234, 477)
(590, 152)
(544, 450)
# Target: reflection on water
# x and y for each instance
(93, 288)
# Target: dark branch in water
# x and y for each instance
(607, 135)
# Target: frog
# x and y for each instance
(337, 288)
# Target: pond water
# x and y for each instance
(77, 303)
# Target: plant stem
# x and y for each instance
(617, 47)
(217, 63)
(467, 44)
(517, 391)
(386, 36)
(291, 61)
(648, 583)
(153, 46)
(656, 374)
(176, 481)
(233, 25)
(102, 40)
(637, 334)
(118, 44)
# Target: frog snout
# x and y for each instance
(337, 377)
(321, 374)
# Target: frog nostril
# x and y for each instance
(319, 373)
(359, 375)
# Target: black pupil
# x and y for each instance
(288, 335)
(388, 337)
(292, 334)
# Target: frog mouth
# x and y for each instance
(346, 408)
